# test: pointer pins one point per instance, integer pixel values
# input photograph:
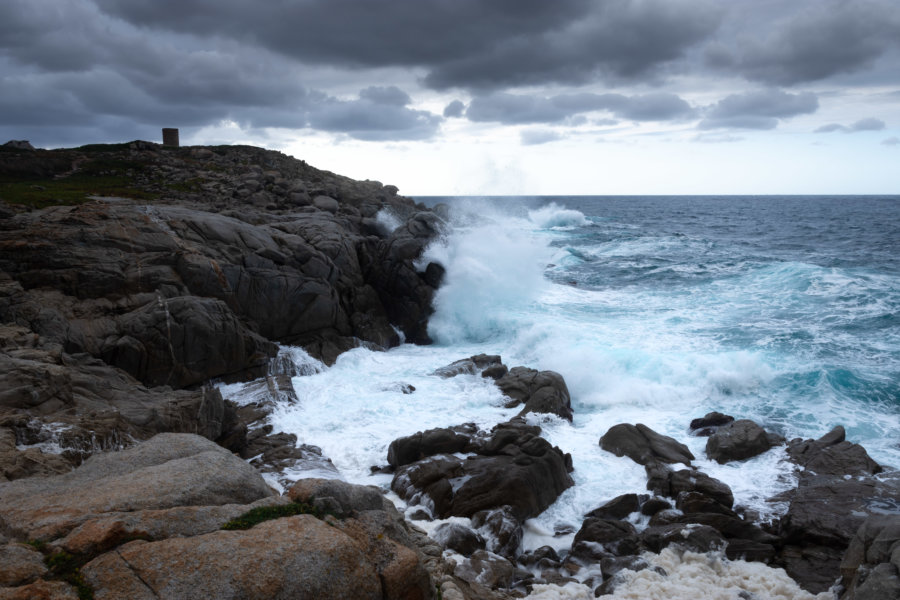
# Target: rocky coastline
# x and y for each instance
(134, 276)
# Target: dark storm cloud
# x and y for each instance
(868, 124)
(758, 110)
(455, 109)
(815, 41)
(373, 120)
(472, 44)
(65, 64)
(515, 109)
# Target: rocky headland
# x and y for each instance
(133, 277)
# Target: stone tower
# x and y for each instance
(170, 136)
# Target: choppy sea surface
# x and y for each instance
(781, 309)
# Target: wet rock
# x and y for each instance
(469, 366)
(654, 505)
(617, 508)
(504, 531)
(644, 446)
(345, 499)
(514, 470)
(708, 424)
(693, 537)
(539, 391)
(406, 450)
(688, 480)
(872, 559)
(487, 569)
(829, 505)
(458, 537)
(740, 440)
(599, 538)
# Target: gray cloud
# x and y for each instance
(515, 109)
(820, 39)
(758, 110)
(891, 141)
(534, 137)
(373, 120)
(465, 43)
(868, 124)
(455, 109)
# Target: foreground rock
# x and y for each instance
(146, 523)
(513, 474)
(836, 493)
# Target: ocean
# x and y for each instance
(780, 309)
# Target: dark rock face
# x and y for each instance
(617, 508)
(836, 493)
(514, 467)
(226, 251)
(739, 440)
(870, 568)
(458, 537)
(643, 445)
(696, 538)
(406, 450)
(708, 424)
(539, 391)
(601, 538)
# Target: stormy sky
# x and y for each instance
(480, 96)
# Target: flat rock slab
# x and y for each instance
(297, 557)
(166, 471)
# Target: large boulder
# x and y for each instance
(166, 471)
(644, 446)
(514, 467)
(870, 569)
(739, 440)
(538, 391)
(836, 493)
(296, 557)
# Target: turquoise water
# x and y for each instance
(784, 310)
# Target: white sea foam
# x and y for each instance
(555, 216)
(711, 576)
(658, 356)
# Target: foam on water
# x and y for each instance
(711, 576)
(646, 325)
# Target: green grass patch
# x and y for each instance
(98, 177)
(267, 513)
(67, 567)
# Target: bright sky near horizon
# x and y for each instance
(480, 97)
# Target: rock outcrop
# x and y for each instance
(129, 271)
(147, 522)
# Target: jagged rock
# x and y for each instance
(166, 471)
(831, 455)
(469, 366)
(836, 493)
(708, 424)
(513, 467)
(599, 538)
(406, 450)
(696, 538)
(643, 445)
(617, 508)
(875, 543)
(458, 537)
(504, 531)
(487, 569)
(654, 505)
(539, 391)
(739, 440)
